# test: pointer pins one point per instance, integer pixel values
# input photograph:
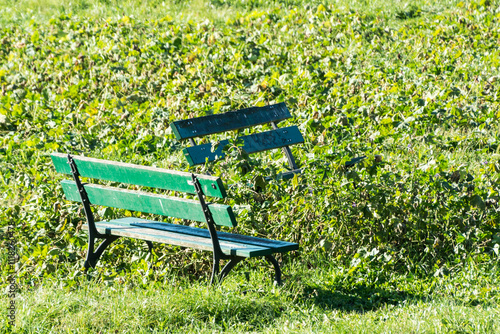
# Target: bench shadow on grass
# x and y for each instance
(358, 299)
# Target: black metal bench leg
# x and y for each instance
(93, 257)
(215, 269)
(150, 246)
(227, 268)
(277, 270)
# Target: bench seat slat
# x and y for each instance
(151, 203)
(233, 120)
(279, 246)
(252, 143)
(231, 244)
(139, 175)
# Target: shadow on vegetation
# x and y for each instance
(409, 13)
(356, 299)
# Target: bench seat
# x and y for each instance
(199, 238)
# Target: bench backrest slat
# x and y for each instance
(251, 144)
(234, 120)
(139, 175)
(150, 203)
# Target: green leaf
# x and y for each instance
(478, 202)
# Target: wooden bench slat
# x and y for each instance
(139, 175)
(253, 143)
(233, 120)
(150, 203)
(276, 245)
(126, 227)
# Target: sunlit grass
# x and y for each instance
(216, 10)
(311, 300)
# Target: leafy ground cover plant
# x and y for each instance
(416, 85)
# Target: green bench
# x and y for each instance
(225, 246)
(237, 120)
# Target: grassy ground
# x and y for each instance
(323, 300)
(216, 10)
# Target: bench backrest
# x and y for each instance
(171, 206)
(235, 120)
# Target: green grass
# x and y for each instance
(198, 10)
(323, 300)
